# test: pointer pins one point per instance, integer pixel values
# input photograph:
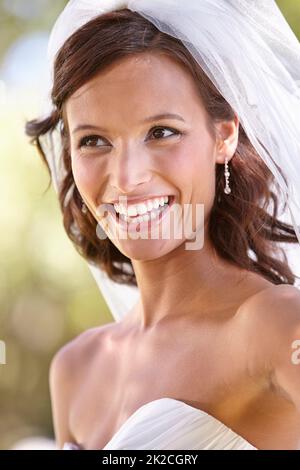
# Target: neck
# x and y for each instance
(181, 282)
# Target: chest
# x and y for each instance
(207, 372)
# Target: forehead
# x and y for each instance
(139, 84)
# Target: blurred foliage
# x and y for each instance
(291, 10)
(18, 17)
(46, 298)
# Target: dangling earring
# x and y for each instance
(84, 209)
(227, 189)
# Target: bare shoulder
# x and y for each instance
(275, 307)
(270, 320)
(65, 369)
(67, 359)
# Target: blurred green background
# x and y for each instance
(47, 293)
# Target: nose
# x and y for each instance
(130, 168)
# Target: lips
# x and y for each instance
(138, 200)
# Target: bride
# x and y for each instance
(208, 355)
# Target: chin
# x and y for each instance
(146, 250)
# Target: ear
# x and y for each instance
(227, 139)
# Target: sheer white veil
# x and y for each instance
(251, 55)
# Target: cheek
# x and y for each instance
(85, 173)
(194, 162)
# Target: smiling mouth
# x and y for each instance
(154, 214)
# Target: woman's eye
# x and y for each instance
(88, 141)
(157, 131)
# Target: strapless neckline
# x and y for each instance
(151, 420)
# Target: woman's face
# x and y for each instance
(119, 148)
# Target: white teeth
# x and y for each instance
(142, 218)
(142, 208)
(149, 205)
(131, 211)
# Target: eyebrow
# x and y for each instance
(82, 127)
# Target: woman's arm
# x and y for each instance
(67, 372)
(286, 348)
(60, 393)
(273, 318)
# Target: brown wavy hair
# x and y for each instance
(240, 227)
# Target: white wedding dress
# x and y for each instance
(167, 423)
